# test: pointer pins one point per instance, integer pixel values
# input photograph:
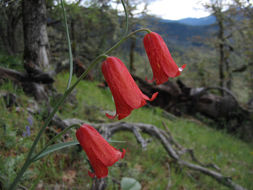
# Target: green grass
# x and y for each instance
(68, 167)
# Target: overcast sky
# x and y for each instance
(178, 9)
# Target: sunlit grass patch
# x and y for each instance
(68, 168)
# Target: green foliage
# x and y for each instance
(69, 166)
(55, 147)
(145, 166)
(92, 30)
(12, 62)
(12, 142)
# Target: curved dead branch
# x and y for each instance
(173, 149)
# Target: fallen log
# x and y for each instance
(40, 77)
(33, 85)
(179, 99)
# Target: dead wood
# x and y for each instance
(78, 68)
(32, 84)
(11, 74)
(174, 149)
(99, 184)
(225, 111)
(16, 76)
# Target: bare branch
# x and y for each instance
(169, 180)
(139, 138)
(174, 149)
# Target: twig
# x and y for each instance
(169, 180)
(167, 141)
(99, 184)
(139, 138)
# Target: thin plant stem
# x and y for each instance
(54, 139)
(69, 45)
(125, 38)
(126, 16)
(29, 159)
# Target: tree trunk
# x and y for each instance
(10, 16)
(36, 54)
(5, 41)
(221, 50)
(229, 75)
(11, 30)
(131, 55)
(36, 47)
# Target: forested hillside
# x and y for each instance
(95, 97)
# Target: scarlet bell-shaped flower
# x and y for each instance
(100, 153)
(162, 64)
(127, 95)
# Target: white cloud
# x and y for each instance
(178, 9)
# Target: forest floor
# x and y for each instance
(67, 169)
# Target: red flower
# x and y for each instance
(100, 153)
(127, 95)
(162, 64)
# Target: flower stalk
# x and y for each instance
(30, 158)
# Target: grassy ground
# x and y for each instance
(67, 169)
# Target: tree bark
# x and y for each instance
(10, 17)
(36, 54)
(131, 54)
(221, 47)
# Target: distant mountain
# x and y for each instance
(198, 21)
(194, 21)
(180, 34)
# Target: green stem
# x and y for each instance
(51, 115)
(69, 45)
(29, 160)
(54, 139)
(126, 15)
(125, 38)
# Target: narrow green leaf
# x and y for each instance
(54, 148)
(69, 45)
(61, 134)
(126, 16)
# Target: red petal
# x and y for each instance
(121, 106)
(91, 174)
(111, 116)
(96, 147)
(100, 170)
(123, 153)
(127, 95)
(124, 83)
(161, 61)
(149, 81)
(180, 69)
(154, 96)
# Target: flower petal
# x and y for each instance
(160, 59)
(127, 95)
(96, 147)
(100, 169)
(180, 69)
(111, 116)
